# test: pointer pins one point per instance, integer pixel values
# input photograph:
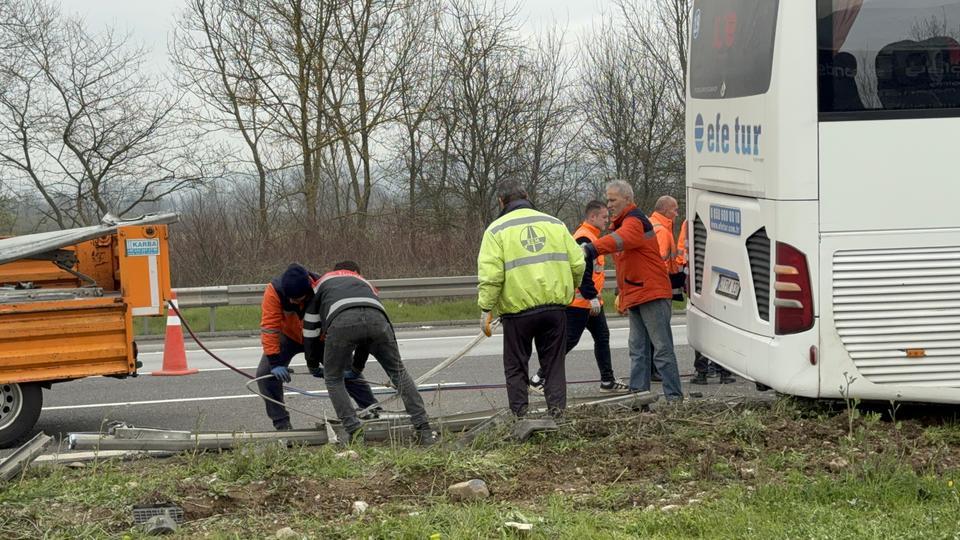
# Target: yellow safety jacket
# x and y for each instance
(527, 259)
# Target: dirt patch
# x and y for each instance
(611, 462)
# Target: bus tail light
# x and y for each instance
(794, 295)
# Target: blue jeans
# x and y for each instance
(650, 324)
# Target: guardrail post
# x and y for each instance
(213, 319)
(146, 325)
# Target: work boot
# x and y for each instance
(615, 386)
(699, 378)
(283, 425)
(727, 378)
(425, 435)
(536, 385)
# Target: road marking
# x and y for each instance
(315, 393)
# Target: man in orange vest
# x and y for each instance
(586, 310)
(665, 212)
(645, 290)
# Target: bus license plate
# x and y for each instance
(729, 286)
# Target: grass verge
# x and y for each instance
(698, 470)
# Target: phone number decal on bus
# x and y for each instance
(725, 219)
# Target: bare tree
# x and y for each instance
(80, 121)
(661, 29)
(218, 64)
(485, 107)
(636, 133)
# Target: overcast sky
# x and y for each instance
(150, 21)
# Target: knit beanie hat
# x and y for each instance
(295, 281)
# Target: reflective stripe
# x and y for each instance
(650, 234)
(339, 274)
(269, 331)
(358, 300)
(311, 317)
(311, 333)
(524, 221)
(535, 259)
(618, 239)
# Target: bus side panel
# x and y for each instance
(891, 315)
(902, 167)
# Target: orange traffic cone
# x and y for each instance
(174, 355)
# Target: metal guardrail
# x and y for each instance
(403, 288)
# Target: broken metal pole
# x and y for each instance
(21, 458)
(127, 438)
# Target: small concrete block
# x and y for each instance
(523, 429)
(359, 507)
(469, 490)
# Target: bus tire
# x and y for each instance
(19, 409)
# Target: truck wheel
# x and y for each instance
(19, 409)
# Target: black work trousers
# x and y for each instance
(578, 320)
(547, 329)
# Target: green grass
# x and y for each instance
(679, 473)
(247, 318)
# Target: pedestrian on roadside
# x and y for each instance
(645, 290)
(528, 267)
(281, 336)
(347, 315)
(586, 310)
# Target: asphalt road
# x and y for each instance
(216, 400)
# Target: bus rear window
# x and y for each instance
(886, 55)
(731, 47)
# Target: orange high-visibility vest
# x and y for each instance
(668, 246)
(682, 246)
(591, 233)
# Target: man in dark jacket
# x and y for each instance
(347, 314)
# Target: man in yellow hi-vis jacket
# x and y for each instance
(529, 266)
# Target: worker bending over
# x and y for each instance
(347, 314)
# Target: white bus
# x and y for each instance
(823, 199)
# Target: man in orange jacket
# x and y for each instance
(281, 335)
(645, 290)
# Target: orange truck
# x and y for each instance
(67, 302)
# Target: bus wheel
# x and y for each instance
(19, 409)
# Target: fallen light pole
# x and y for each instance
(136, 439)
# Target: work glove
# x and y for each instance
(317, 372)
(281, 373)
(486, 323)
(596, 307)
